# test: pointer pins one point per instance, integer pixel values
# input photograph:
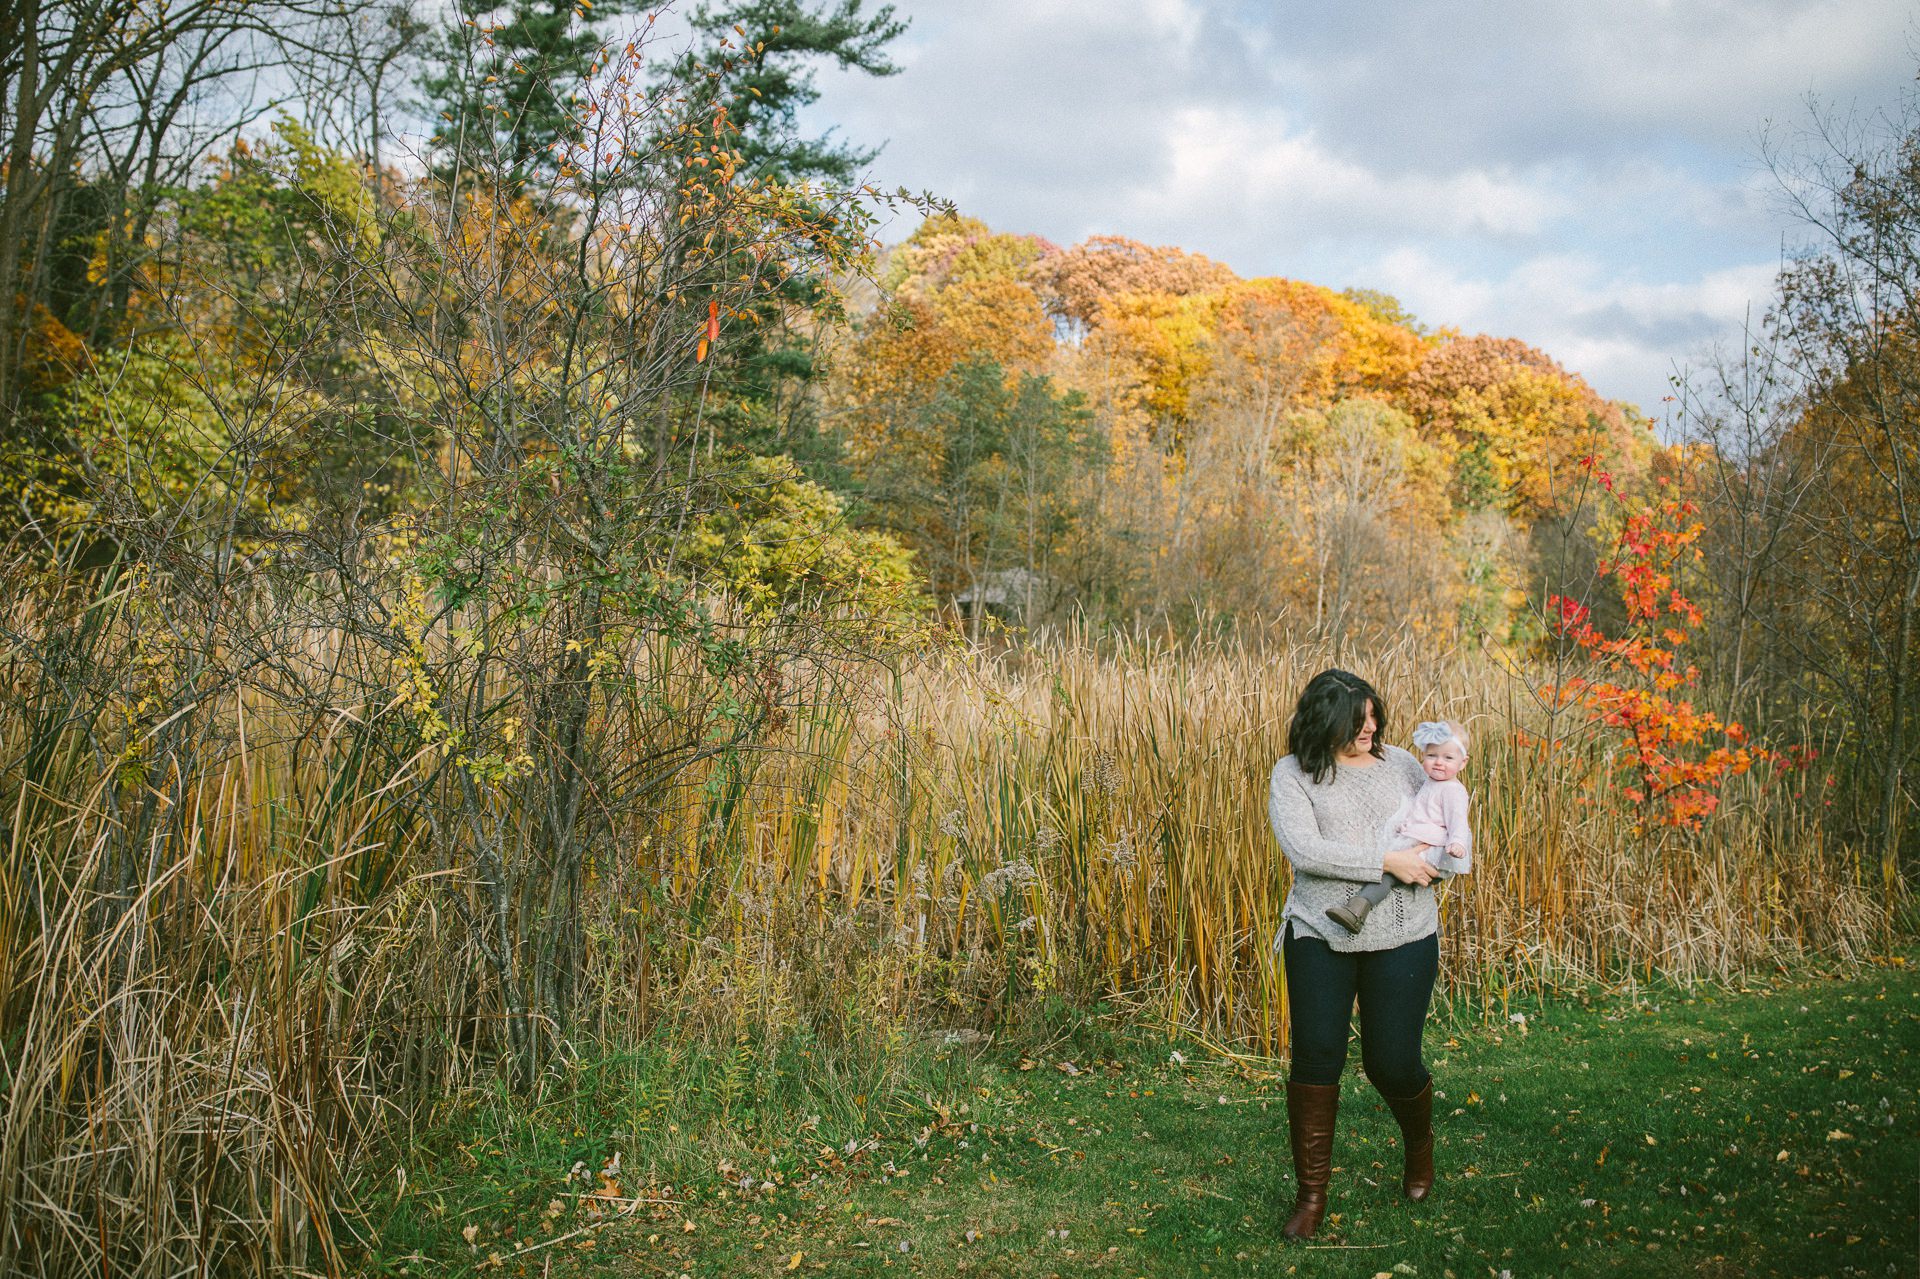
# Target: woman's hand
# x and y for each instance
(1409, 865)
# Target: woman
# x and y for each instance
(1330, 803)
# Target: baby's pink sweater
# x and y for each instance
(1438, 816)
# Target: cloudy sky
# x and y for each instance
(1586, 176)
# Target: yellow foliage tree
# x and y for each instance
(1518, 423)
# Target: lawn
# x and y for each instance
(1766, 1129)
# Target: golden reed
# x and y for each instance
(200, 1043)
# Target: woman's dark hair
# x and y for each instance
(1330, 714)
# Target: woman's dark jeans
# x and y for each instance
(1394, 988)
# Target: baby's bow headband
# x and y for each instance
(1433, 732)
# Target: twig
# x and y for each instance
(590, 1226)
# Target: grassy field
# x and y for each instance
(273, 922)
(1766, 1128)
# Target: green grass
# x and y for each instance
(1767, 1130)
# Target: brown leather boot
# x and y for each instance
(1311, 1110)
(1415, 1114)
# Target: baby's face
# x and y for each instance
(1443, 762)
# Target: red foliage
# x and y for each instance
(1676, 754)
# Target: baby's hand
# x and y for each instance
(1456, 851)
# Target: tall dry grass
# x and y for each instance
(200, 1043)
(1132, 779)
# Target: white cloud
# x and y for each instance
(1522, 79)
(1286, 183)
(1625, 335)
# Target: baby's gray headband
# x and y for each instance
(1434, 732)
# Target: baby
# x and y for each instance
(1436, 816)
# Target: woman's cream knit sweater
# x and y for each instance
(1335, 835)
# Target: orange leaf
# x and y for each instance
(700, 354)
(713, 321)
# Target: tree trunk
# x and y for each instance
(1893, 812)
(21, 182)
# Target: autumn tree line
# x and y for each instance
(481, 507)
(1007, 432)
(1134, 433)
